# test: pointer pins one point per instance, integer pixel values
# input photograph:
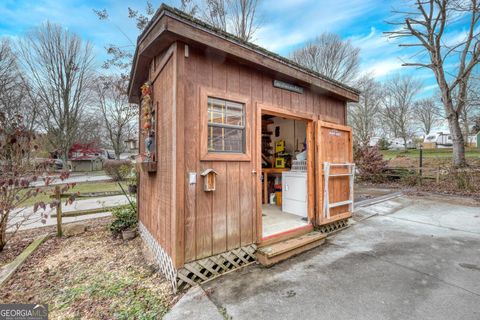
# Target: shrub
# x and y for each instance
(463, 179)
(125, 218)
(383, 144)
(369, 162)
(118, 170)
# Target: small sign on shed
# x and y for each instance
(209, 177)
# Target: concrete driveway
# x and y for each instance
(406, 258)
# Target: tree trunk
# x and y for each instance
(458, 159)
(58, 196)
(3, 234)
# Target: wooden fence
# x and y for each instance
(423, 173)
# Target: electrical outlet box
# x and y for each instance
(192, 177)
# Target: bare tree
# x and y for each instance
(427, 22)
(59, 68)
(215, 13)
(92, 130)
(119, 118)
(189, 7)
(10, 84)
(363, 116)
(398, 105)
(239, 17)
(244, 18)
(471, 110)
(427, 114)
(476, 125)
(467, 116)
(15, 94)
(331, 56)
(120, 56)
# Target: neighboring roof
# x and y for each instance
(182, 16)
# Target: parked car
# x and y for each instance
(50, 164)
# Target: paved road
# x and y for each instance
(34, 219)
(73, 179)
(415, 258)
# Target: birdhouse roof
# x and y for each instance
(207, 171)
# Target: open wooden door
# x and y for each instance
(334, 172)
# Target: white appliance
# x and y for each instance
(294, 193)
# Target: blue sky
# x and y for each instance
(286, 25)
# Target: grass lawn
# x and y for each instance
(87, 187)
(91, 276)
(429, 153)
(433, 158)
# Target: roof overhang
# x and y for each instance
(168, 26)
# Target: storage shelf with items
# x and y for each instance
(267, 148)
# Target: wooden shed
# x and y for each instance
(240, 150)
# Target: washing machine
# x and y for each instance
(294, 193)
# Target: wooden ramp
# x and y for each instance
(271, 254)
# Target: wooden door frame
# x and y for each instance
(319, 124)
(294, 115)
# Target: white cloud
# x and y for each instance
(430, 88)
(380, 68)
(291, 24)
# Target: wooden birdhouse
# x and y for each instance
(209, 177)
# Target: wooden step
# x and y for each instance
(271, 254)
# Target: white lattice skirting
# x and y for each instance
(205, 269)
(161, 257)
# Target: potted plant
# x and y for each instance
(125, 222)
(132, 179)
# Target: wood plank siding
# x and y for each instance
(186, 62)
(157, 206)
(226, 219)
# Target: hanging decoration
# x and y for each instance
(148, 116)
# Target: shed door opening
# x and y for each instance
(284, 175)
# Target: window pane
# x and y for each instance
(234, 140)
(216, 139)
(234, 106)
(216, 111)
(222, 115)
(216, 117)
(234, 113)
(225, 139)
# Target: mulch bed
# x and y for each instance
(90, 276)
(13, 249)
(23, 238)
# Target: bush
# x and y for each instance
(383, 144)
(463, 179)
(369, 162)
(118, 170)
(125, 218)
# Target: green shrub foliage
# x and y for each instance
(125, 218)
